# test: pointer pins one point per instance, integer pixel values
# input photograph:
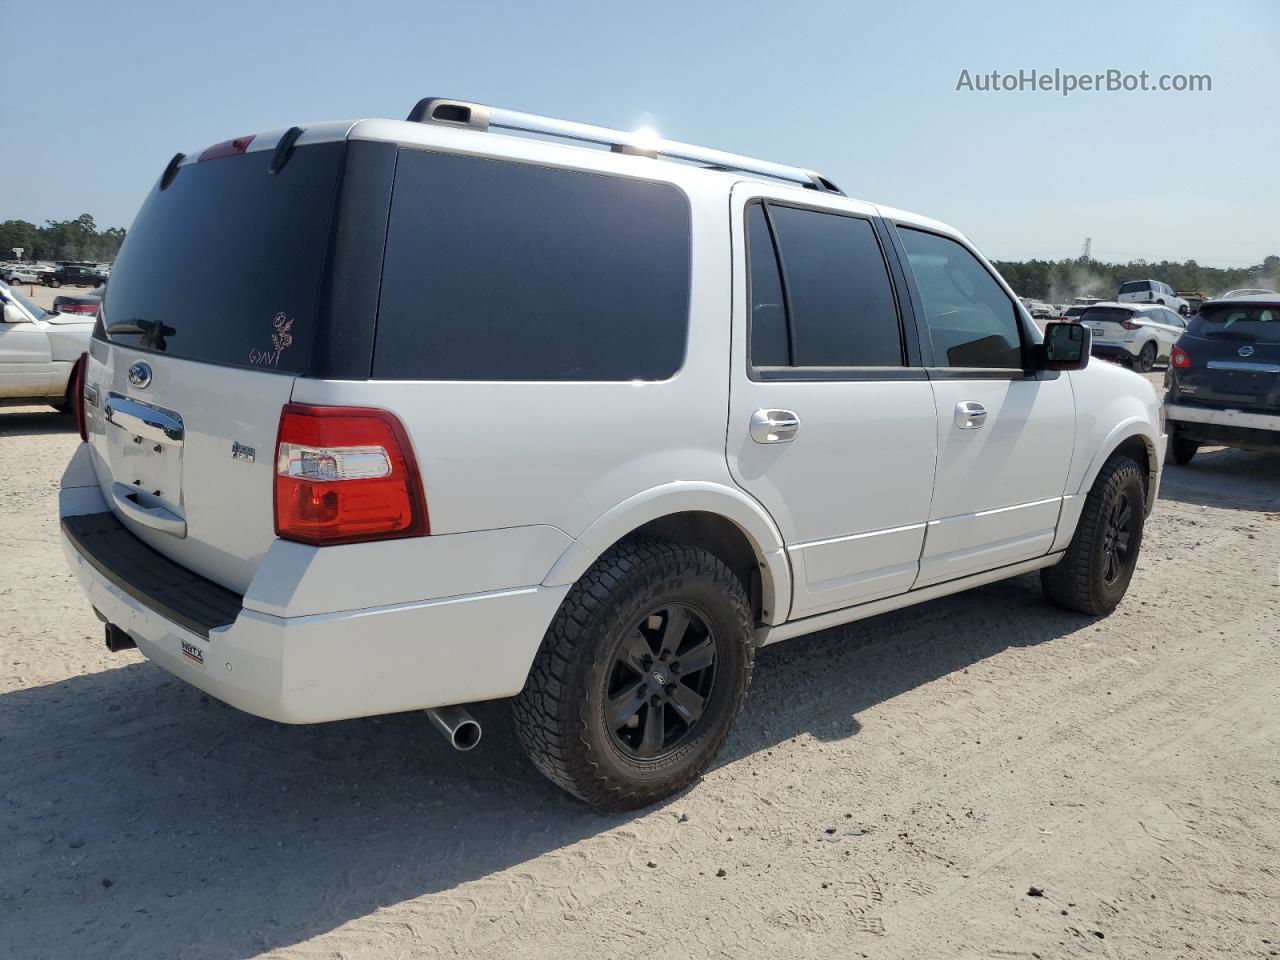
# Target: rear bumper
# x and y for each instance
(1122, 349)
(1223, 417)
(1230, 428)
(317, 667)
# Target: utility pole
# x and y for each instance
(1088, 245)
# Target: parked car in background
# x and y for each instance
(313, 523)
(39, 351)
(1086, 301)
(1072, 313)
(1194, 298)
(71, 275)
(1223, 382)
(85, 304)
(1248, 292)
(23, 273)
(1137, 334)
(1151, 291)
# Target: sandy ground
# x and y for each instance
(982, 776)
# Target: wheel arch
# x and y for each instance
(1132, 437)
(715, 517)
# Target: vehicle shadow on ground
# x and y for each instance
(137, 810)
(1227, 478)
(21, 422)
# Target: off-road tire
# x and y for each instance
(1181, 450)
(559, 715)
(1076, 582)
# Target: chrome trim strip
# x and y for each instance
(1246, 367)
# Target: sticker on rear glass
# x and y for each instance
(193, 653)
(280, 342)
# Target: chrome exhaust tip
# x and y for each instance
(460, 728)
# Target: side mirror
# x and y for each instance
(1066, 346)
(13, 315)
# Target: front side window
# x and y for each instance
(834, 302)
(496, 270)
(972, 322)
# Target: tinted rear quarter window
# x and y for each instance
(842, 307)
(497, 270)
(224, 265)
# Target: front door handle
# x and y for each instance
(774, 426)
(970, 415)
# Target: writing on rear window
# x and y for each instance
(281, 339)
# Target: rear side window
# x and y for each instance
(507, 271)
(840, 309)
(972, 322)
(224, 265)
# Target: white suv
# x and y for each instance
(1137, 334)
(509, 417)
(1152, 291)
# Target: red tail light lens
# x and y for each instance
(227, 148)
(346, 474)
(1179, 358)
(1129, 324)
(75, 386)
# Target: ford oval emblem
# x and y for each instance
(1245, 351)
(140, 374)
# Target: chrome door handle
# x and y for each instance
(970, 415)
(774, 426)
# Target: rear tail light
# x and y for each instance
(76, 388)
(346, 474)
(1129, 324)
(1179, 358)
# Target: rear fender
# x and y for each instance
(681, 497)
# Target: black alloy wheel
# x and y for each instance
(663, 672)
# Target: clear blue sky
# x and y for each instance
(97, 97)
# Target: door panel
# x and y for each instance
(851, 492)
(999, 487)
(26, 361)
(850, 487)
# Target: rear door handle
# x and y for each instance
(156, 517)
(774, 426)
(970, 415)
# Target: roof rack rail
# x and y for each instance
(477, 116)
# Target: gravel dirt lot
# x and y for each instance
(982, 776)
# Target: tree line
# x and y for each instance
(1062, 281)
(78, 239)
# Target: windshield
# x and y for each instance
(1256, 324)
(224, 265)
(31, 307)
(1135, 286)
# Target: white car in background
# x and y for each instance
(1135, 333)
(39, 351)
(22, 273)
(1152, 291)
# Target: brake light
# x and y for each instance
(1179, 358)
(227, 148)
(346, 474)
(1129, 324)
(76, 389)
